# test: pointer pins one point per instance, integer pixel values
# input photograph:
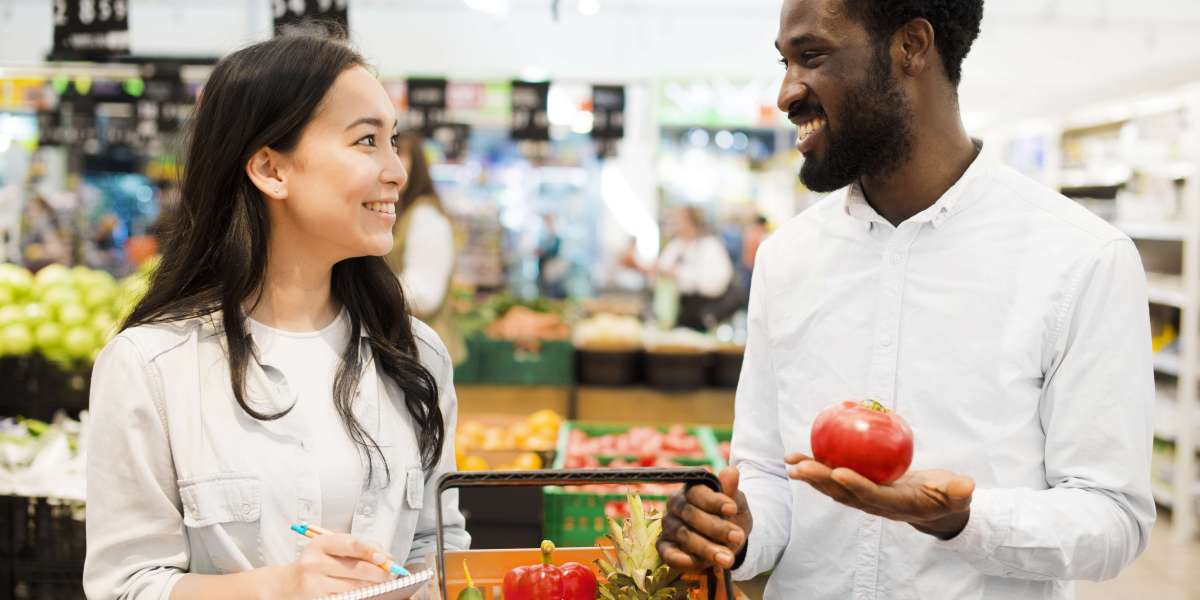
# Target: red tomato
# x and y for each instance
(865, 437)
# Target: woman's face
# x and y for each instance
(343, 179)
(682, 225)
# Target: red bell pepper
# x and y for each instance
(573, 581)
(579, 582)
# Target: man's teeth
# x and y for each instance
(387, 208)
(807, 129)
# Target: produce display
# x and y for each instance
(504, 443)
(64, 314)
(865, 437)
(678, 341)
(521, 323)
(608, 333)
(645, 446)
(43, 459)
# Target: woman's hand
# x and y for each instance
(331, 564)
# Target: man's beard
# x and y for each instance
(874, 136)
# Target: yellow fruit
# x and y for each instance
(473, 463)
(493, 439)
(544, 419)
(528, 462)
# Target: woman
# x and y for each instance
(701, 268)
(423, 255)
(271, 374)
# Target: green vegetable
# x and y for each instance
(471, 592)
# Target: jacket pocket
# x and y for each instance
(223, 515)
(221, 499)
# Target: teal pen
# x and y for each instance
(312, 531)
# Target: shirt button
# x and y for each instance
(246, 509)
(886, 340)
(897, 258)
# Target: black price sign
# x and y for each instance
(302, 13)
(90, 29)
(530, 118)
(608, 110)
(426, 103)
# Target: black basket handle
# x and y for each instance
(570, 477)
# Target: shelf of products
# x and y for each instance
(1137, 164)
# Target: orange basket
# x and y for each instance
(488, 567)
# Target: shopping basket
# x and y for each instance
(492, 564)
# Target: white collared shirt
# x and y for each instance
(181, 480)
(1009, 327)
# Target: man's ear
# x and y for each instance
(917, 46)
(266, 173)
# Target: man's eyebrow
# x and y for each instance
(803, 39)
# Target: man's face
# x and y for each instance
(853, 117)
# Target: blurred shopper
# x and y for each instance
(272, 374)
(553, 267)
(1006, 323)
(424, 254)
(752, 238)
(698, 262)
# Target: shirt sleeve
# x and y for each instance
(454, 525)
(1096, 410)
(136, 546)
(428, 260)
(757, 448)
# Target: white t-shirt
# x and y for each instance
(428, 260)
(309, 361)
(701, 266)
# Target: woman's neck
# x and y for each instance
(296, 294)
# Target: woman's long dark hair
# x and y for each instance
(215, 252)
(420, 180)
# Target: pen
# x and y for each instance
(312, 531)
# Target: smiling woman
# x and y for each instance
(272, 374)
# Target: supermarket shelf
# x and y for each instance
(1167, 291)
(1167, 363)
(1168, 232)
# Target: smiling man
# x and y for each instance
(1008, 325)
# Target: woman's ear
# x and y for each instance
(265, 170)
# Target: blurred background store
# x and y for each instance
(569, 143)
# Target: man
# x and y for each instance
(1006, 324)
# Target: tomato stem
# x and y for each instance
(547, 550)
(874, 405)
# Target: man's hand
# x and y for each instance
(703, 528)
(934, 502)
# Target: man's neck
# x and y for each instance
(942, 152)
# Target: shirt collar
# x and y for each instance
(951, 202)
(211, 325)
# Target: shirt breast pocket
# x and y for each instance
(224, 512)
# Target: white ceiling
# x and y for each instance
(1034, 56)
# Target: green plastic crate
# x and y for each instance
(471, 370)
(573, 519)
(506, 364)
(712, 442)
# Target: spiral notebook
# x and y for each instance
(396, 588)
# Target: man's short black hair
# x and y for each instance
(955, 24)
